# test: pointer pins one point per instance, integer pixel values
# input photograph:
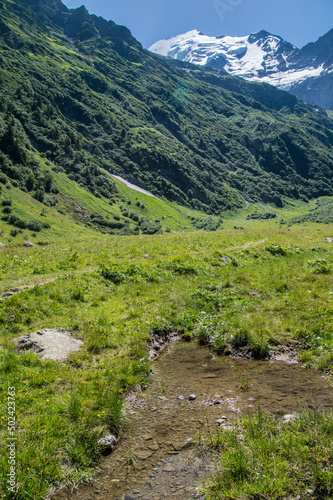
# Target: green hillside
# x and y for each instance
(82, 102)
(79, 94)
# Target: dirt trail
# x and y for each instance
(151, 460)
(247, 245)
(15, 290)
(9, 292)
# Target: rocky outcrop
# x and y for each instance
(50, 343)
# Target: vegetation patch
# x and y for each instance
(121, 296)
(263, 457)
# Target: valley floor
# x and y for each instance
(248, 293)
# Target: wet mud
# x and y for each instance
(155, 458)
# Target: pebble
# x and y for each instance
(288, 418)
(153, 447)
(192, 397)
(147, 437)
(143, 455)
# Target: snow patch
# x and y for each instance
(133, 186)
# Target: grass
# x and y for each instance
(264, 458)
(113, 292)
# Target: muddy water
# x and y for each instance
(153, 460)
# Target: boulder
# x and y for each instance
(50, 343)
(28, 244)
(108, 443)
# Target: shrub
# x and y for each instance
(20, 223)
(3, 178)
(278, 250)
(319, 266)
(134, 217)
(112, 273)
(34, 225)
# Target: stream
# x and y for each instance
(155, 458)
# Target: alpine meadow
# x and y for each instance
(147, 203)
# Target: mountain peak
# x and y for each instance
(261, 34)
(261, 57)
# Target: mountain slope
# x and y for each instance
(83, 94)
(262, 57)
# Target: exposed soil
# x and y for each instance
(151, 460)
(15, 290)
(247, 245)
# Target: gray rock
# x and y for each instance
(227, 427)
(2, 245)
(286, 419)
(226, 259)
(50, 343)
(108, 442)
(192, 397)
(330, 240)
(28, 244)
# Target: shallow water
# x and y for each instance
(153, 459)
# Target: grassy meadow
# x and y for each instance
(114, 292)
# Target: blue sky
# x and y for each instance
(297, 21)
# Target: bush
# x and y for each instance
(319, 266)
(265, 216)
(7, 210)
(112, 273)
(148, 227)
(20, 223)
(277, 250)
(34, 225)
(134, 217)
(3, 178)
(6, 203)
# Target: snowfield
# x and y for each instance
(259, 57)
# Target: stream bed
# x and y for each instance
(155, 458)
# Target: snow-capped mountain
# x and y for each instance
(263, 57)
